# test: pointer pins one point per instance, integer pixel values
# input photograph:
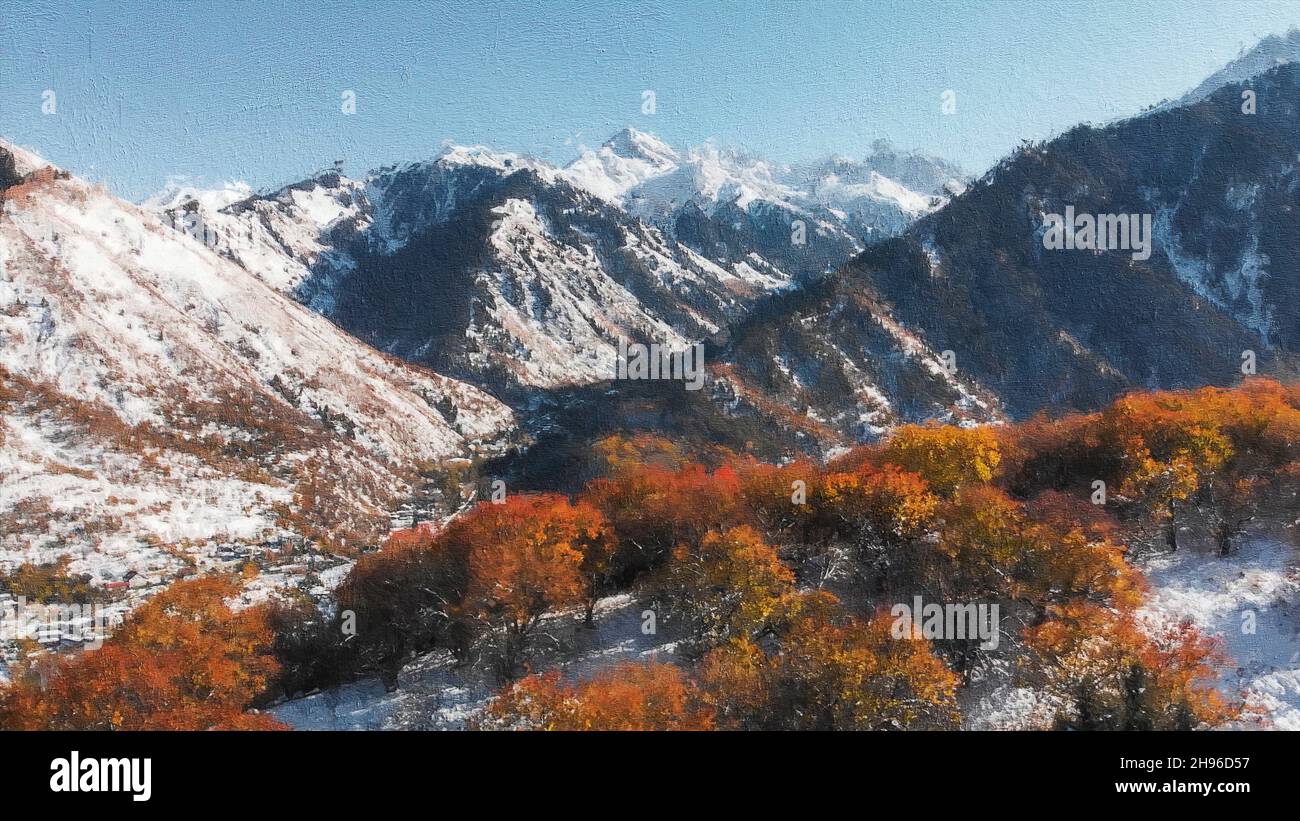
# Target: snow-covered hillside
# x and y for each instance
(162, 403)
(1251, 602)
(1248, 601)
(436, 693)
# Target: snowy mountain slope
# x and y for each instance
(834, 353)
(622, 163)
(457, 263)
(1033, 329)
(282, 236)
(180, 190)
(489, 269)
(160, 399)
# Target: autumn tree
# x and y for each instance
(885, 514)
(47, 583)
(1155, 452)
(488, 574)
(629, 696)
(781, 501)
(619, 453)
(726, 584)
(947, 457)
(997, 549)
(1261, 419)
(653, 509)
(779, 498)
(309, 648)
(597, 544)
(828, 672)
(1112, 673)
(1209, 452)
(990, 544)
(405, 599)
(184, 660)
(1065, 453)
(526, 557)
(1080, 555)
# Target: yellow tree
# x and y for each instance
(726, 584)
(886, 513)
(1167, 452)
(947, 457)
(829, 672)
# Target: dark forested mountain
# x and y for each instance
(1050, 328)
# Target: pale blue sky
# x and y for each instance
(252, 91)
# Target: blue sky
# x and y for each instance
(252, 91)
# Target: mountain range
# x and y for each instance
(184, 372)
(518, 275)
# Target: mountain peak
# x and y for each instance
(630, 143)
(624, 161)
(179, 190)
(1272, 51)
(481, 155)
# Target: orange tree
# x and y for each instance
(182, 661)
(528, 555)
(1110, 672)
(653, 509)
(629, 696)
(489, 574)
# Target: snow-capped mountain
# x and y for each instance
(625, 161)
(160, 400)
(517, 275)
(863, 199)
